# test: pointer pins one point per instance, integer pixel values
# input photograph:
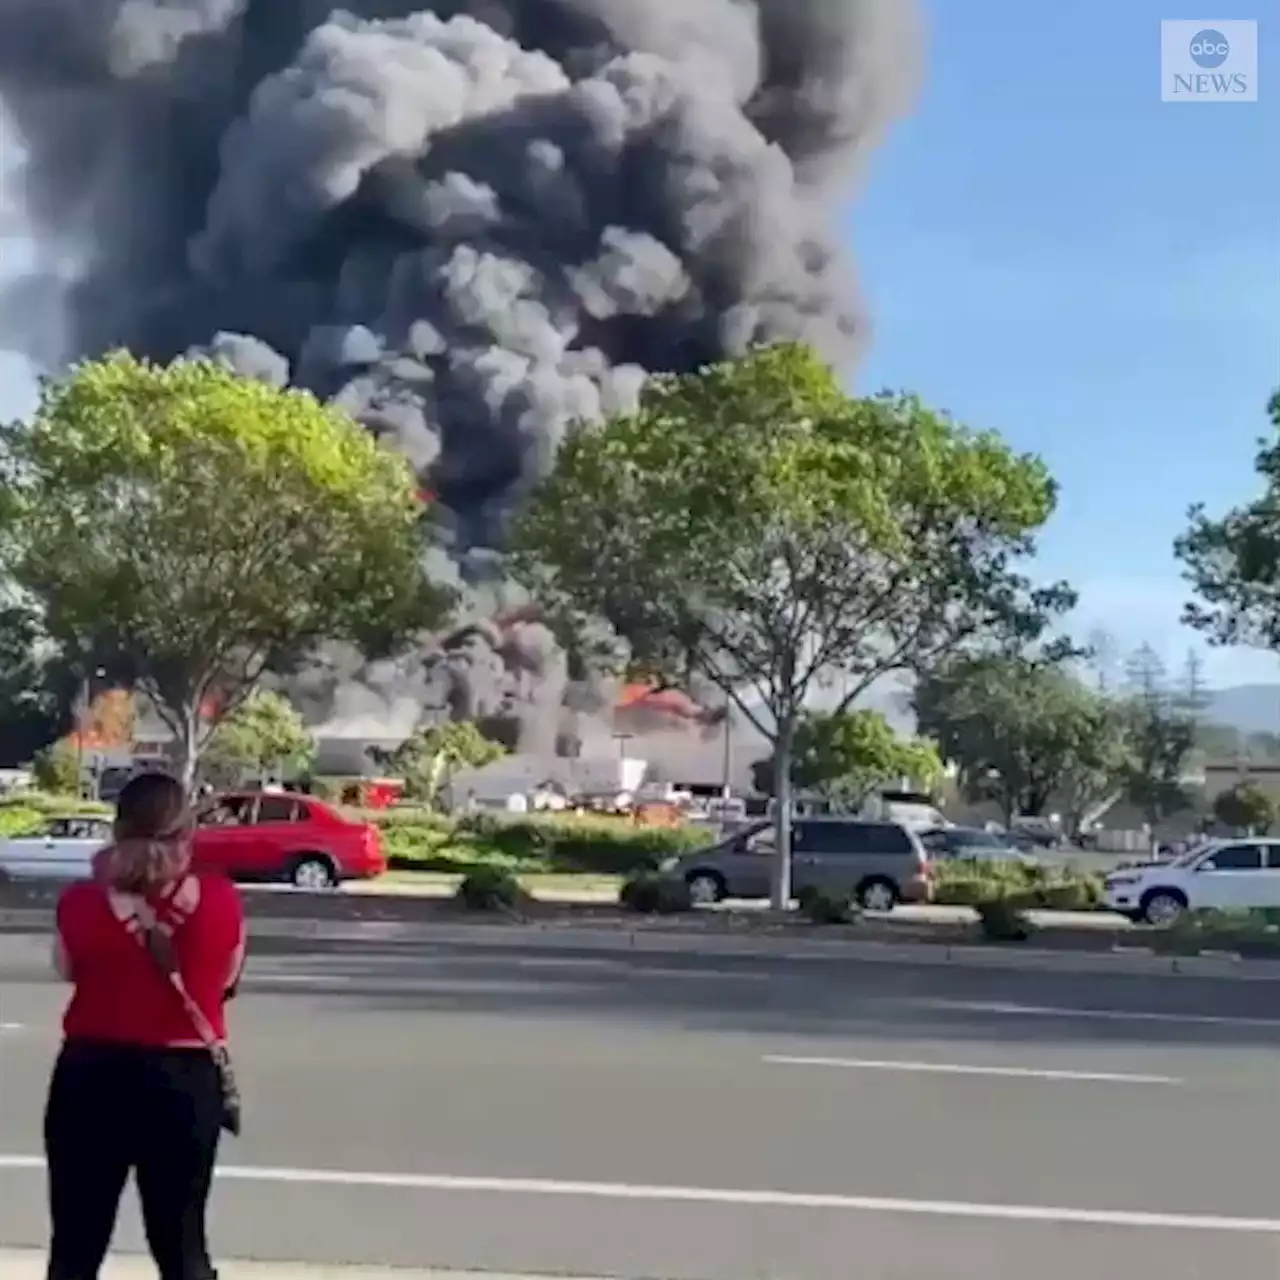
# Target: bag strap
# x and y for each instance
(145, 928)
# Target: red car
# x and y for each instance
(279, 836)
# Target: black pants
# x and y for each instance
(113, 1108)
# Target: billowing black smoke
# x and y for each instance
(469, 221)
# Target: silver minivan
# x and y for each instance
(878, 864)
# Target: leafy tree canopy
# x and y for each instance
(36, 687)
(57, 768)
(756, 525)
(265, 735)
(1245, 807)
(424, 759)
(1023, 730)
(1233, 563)
(207, 527)
(1163, 726)
(845, 757)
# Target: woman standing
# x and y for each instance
(152, 950)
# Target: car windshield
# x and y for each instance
(977, 840)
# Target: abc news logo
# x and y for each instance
(1209, 63)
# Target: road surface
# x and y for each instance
(676, 1118)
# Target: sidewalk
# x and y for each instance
(28, 1264)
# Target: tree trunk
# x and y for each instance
(782, 815)
(1008, 806)
(187, 747)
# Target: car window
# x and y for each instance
(230, 811)
(763, 841)
(87, 829)
(852, 839)
(56, 829)
(272, 808)
(1233, 857)
(974, 840)
(1273, 856)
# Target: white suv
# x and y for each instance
(1227, 875)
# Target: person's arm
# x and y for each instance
(236, 967)
(60, 952)
(61, 960)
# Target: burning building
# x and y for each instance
(470, 222)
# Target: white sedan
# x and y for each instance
(62, 849)
(1227, 875)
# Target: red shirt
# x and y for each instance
(120, 993)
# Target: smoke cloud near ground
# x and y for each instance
(470, 222)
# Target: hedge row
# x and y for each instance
(27, 810)
(974, 883)
(595, 845)
(420, 840)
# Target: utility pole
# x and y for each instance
(726, 787)
(80, 719)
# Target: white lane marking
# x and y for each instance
(960, 1069)
(1138, 1219)
(1095, 1015)
(10, 1026)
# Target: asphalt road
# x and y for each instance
(673, 1118)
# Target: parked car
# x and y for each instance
(61, 849)
(279, 836)
(1226, 875)
(973, 842)
(878, 864)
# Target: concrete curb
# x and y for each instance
(1116, 960)
(29, 1264)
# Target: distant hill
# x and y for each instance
(1251, 708)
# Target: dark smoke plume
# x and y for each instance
(469, 221)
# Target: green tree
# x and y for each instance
(265, 735)
(1245, 807)
(36, 686)
(57, 768)
(207, 527)
(425, 759)
(845, 757)
(1233, 563)
(1163, 725)
(1023, 730)
(755, 525)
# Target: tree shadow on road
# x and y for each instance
(779, 997)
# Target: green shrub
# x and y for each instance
(822, 906)
(651, 893)
(490, 889)
(968, 882)
(964, 892)
(57, 768)
(1004, 920)
(1219, 930)
(1066, 895)
(600, 846)
(28, 810)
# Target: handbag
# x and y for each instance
(158, 944)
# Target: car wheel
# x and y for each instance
(313, 872)
(1162, 906)
(877, 895)
(705, 887)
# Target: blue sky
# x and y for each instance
(1050, 251)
